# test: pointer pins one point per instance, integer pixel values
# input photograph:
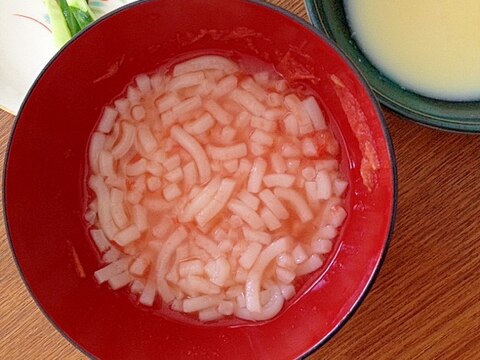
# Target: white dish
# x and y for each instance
(26, 45)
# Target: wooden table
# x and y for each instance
(425, 303)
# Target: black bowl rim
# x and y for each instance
(318, 33)
(411, 114)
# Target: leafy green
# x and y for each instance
(82, 5)
(60, 30)
(83, 18)
(68, 17)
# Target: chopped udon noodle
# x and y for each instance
(213, 190)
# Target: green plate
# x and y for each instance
(329, 16)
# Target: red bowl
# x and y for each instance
(45, 176)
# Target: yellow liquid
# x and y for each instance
(429, 46)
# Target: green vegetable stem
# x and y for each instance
(67, 18)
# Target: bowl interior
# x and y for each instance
(45, 180)
(457, 116)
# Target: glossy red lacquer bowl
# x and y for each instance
(45, 181)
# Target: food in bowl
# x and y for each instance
(45, 182)
(430, 47)
(216, 186)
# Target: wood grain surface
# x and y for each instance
(425, 303)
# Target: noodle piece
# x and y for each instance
(147, 139)
(253, 88)
(97, 143)
(192, 267)
(200, 285)
(148, 295)
(313, 110)
(261, 237)
(138, 113)
(248, 101)
(195, 150)
(299, 254)
(271, 308)
(218, 112)
(256, 175)
(139, 214)
(113, 254)
(337, 216)
(284, 275)
(250, 255)
(209, 314)
(139, 266)
(339, 187)
(261, 138)
(111, 270)
(321, 246)
(98, 186)
(126, 140)
(107, 120)
(100, 240)
(274, 114)
(122, 106)
(278, 163)
(311, 192)
(175, 175)
(200, 125)
(143, 83)
(263, 124)
(162, 228)
(274, 99)
(225, 307)
(116, 208)
(172, 162)
(189, 174)
(224, 86)
(120, 280)
(217, 203)
(308, 147)
(246, 214)
(171, 192)
(166, 102)
(218, 271)
(200, 201)
(298, 203)
(274, 204)
(252, 285)
(311, 264)
(294, 104)
(231, 165)
(290, 123)
(127, 235)
(228, 134)
(200, 303)
(271, 221)
(153, 183)
(137, 168)
(163, 260)
(324, 185)
(187, 106)
(282, 180)
(105, 164)
(186, 80)
(208, 245)
(249, 199)
(157, 82)
(205, 62)
(133, 95)
(224, 153)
